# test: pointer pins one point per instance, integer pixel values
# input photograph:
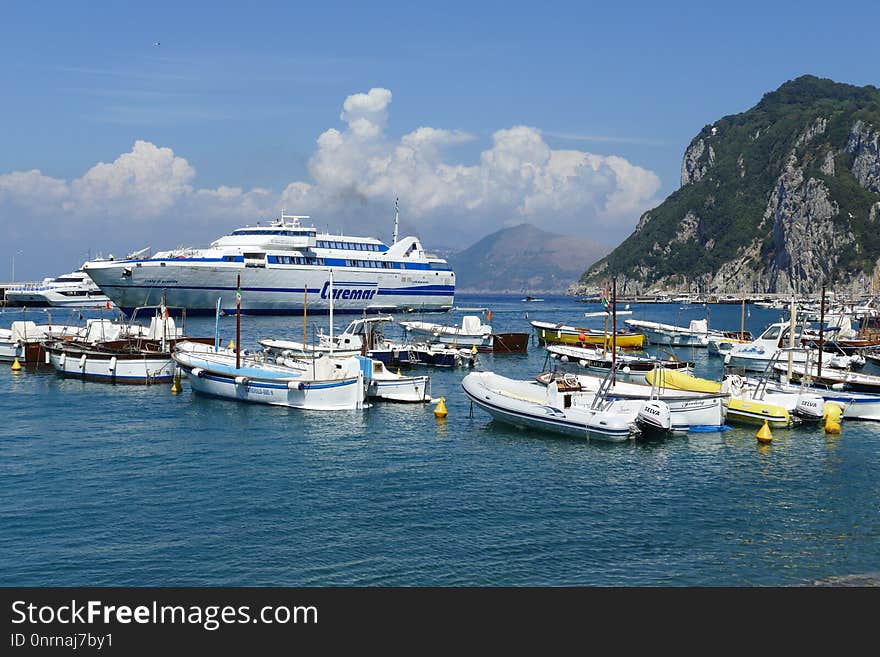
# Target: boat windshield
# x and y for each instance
(771, 333)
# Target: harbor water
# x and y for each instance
(135, 486)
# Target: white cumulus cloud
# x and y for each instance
(356, 171)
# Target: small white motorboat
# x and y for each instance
(598, 360)
(688, 409)
(563, 409)
(471, 333)
(380, 381)
(696, 334)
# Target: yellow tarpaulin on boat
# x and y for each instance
(681, 381)
(738, 410)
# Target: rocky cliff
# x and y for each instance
(783, 197)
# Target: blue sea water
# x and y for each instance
(130, 486)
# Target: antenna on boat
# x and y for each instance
(331, 311)
(396, 220)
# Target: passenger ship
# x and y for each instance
(73, 290)
(284, 269)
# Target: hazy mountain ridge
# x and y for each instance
(523, 259)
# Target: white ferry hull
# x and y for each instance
(269, 290)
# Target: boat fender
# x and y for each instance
(563, 359)
(834, 386)
(241, 380)
(582, 363)
(113, 364)
(197, 372)
(82, 362)
(554, 356)
(626, 369)
(62, 358)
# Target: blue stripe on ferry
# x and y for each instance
(415, 289)
(328, 262)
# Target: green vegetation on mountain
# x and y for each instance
(757, 187)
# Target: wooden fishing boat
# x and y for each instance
(550, 333)
(599, 360)
(136, 356)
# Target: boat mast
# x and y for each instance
(791, 327)
(217, 326)
(396, 219)
(821, 331)
(238, 323)
(305, 311)
(331, 311)
(613, 325)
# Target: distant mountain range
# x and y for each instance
(523, 259)
(784, 197)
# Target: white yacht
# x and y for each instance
(73, 290)
(284, 268)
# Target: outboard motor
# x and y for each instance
(654, 418)
(810, 408)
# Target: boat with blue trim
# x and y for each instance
(327, 384)
(284, 268)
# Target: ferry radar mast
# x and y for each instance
(396, 219)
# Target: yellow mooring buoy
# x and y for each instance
(832, 418)
(175, 383)
(764, 435)
(16, 366)
(440, 412)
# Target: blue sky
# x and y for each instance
(573, 116)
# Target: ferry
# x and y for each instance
(284, 268)
(73, 290)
